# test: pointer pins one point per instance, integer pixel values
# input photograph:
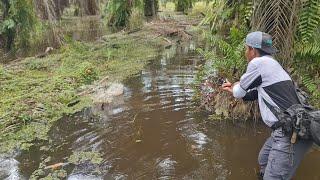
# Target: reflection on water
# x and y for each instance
(87, 28)
(153, 132)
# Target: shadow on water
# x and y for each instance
(154, 132)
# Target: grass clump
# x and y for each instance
(84, 157)
(170, 6)
(200, 8)
(136, 19)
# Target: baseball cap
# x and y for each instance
(261, 40)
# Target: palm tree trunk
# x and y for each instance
(150, 8)
(10, 33)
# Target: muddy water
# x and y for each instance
(153, 131)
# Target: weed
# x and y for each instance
(170, 6)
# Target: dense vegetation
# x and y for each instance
(294, 26)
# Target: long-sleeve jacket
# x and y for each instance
(266, 80)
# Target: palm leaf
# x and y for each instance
(278, 18)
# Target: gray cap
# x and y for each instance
(262, 41)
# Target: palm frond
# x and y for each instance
(278, 18)
(309, 19)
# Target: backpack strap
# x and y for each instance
(276, 112)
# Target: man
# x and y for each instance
(266, 81)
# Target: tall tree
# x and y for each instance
(150, 8)
(18, 18)
(87, 7)
(119, 11)
(183, 5)
(47, 9)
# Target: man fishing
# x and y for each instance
(266, 81)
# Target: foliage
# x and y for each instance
(2, 71)
(309, 19)
(294, 28)
(136, 19)
(170, 6)
(200, 8)
(183, 5)
(308, 57)
(221, 16)
(84, 157)
(119, 11)
(18, 22)
(311, 85)
(86, 73)
(308, 49)
(227, 59)
(278, 18)
(216, 16)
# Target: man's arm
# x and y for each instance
(250, 80)
(251, 95)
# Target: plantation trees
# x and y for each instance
(183, 5)
(119, 11)
(18, 20)
(150, 8)
(294, 25)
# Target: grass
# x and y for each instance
(170, 6)
(200, 8)
(36, 92)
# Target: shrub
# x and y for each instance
(87, 73)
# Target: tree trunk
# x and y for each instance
(60, 6)
(10, 39)
(9, 35)
(93, 7)
(6, 8)
(180, 6)
(183, 5)
(87, 7)
(150, 8)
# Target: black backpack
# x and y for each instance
(298, 121)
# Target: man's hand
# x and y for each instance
(228, 86)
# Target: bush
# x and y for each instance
(86, 73)
(170, 6)
(2, 70)
(136, 19)
(200, 8)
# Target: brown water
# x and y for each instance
(154, 131)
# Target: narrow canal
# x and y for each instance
(154, 131)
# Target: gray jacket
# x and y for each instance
(266, 80)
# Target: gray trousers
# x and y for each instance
(279, 159)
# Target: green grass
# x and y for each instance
(36, 92)
(170, 6)
(200, 8)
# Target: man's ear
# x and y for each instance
(256, 52)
